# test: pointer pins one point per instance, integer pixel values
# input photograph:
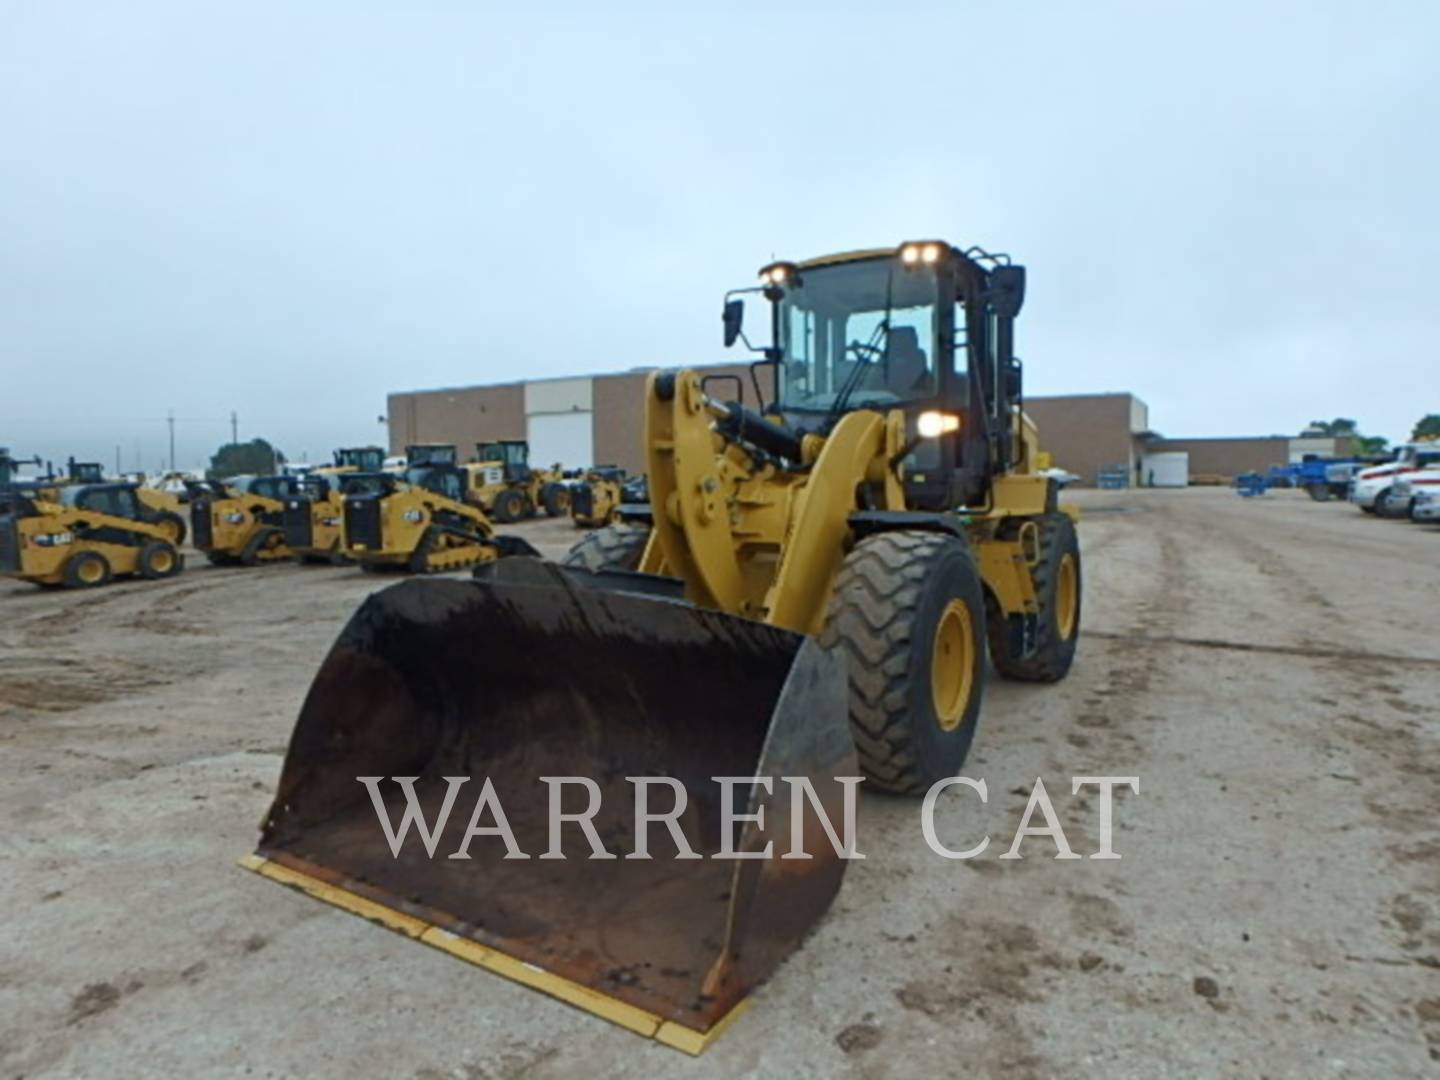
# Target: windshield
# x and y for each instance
(863, 329)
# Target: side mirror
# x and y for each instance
(1007, 290)
(1014, 380)
(734, 319)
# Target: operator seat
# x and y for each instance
(908, 369)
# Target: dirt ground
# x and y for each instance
(1267, 667)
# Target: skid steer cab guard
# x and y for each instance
(436, 678)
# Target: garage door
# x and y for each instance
(564, 437)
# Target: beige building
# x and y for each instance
(581, 421)
(1085, 433)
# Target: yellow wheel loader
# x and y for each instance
(810, 598)
(313, 517)
(421, 522)
(503, 484)
(241, 521)
(82, 535)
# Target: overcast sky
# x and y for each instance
(289, 209)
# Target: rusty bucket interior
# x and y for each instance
(545, 675)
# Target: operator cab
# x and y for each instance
(278, 488)
(113, 500)
(924, 328)
(367, 459)
(513, 455)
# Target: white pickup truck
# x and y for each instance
(1417, 494)
(1371, 488)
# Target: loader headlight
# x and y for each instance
(931, 425)
(235, 517)
(780, 274)
(922, 253)
(414, 516)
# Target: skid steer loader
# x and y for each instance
(82, 535)
(811, 594)
(503, 484)
(422, 521)
(312, 518)
(158, 507)
(241, 521)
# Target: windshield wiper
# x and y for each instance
(866, 351)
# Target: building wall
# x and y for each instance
(462, 415)
(620, 409)
(1085, 433)
(467, 415)
(1229, 457)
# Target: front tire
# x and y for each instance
(557, 500)
(159, 559)
(1058, 588)
(908, 612)
(615, 547)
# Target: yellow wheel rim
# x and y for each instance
(952, 664)
(1067, 598)
(162, 562)
(91, 571)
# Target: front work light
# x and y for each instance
(780, 273)
(932, 425)
(921, 253)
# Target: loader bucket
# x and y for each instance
(536, 673)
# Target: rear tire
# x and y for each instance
(615, 547)
(908, 613)
(86, 570)
(1058, 584)
(509, 506)
(159, 559)
(1319, 492)
(557, 500)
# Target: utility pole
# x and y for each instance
(170, 419)
(234, 428)
(117, 460)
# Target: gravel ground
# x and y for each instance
(1267, 667)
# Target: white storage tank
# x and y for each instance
(1170, 469)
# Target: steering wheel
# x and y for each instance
(874, 351)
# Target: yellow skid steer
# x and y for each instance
(811, 595)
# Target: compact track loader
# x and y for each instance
(82, 535)
(811, 594)
(422, 522)
(503, 484)
(313, 517)
(241, 521)
(595, 498)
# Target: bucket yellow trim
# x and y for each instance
(628, 1016)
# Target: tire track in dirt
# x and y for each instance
(1371, 727)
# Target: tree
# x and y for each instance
(256, 457)
(1339, 426)
(1427, 427)
(1370, 444)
